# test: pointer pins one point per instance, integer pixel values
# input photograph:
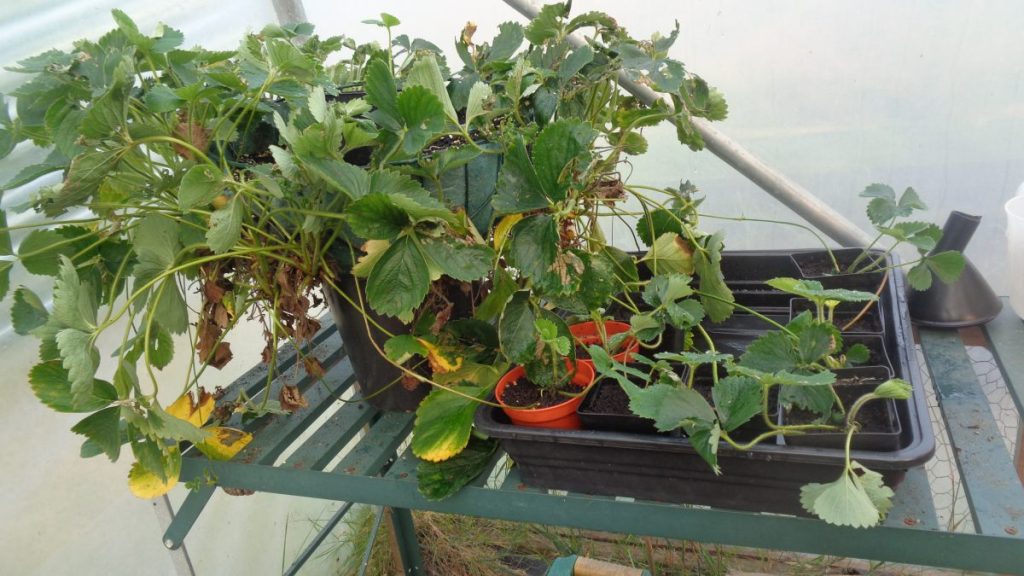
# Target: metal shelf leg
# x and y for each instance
(408, 545)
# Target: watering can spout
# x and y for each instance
(969, 300)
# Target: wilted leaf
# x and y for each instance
(192, 409)
(444, 421)
(144, 483)
(439, 480)
(224, 443)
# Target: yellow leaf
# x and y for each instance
(188, 409)
(438, 363)
(224, 443)
(148, 485)
(503, 228)
(374, 250)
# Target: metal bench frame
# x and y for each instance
(378, 471)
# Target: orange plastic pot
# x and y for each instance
(586, 333)
(558, 416)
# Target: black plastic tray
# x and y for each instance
(766, 478)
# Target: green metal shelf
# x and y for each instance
(377, 470)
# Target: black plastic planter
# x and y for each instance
(379, 381)
(884, 436)
(815, 265)
(877, 355)
(765, 478)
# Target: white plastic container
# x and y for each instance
(1015, 252)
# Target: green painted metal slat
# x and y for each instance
(986, 468)
(270, 435)
(378, 446)
(959, 551)
(913, 505)
(331, 437)
(405, 467)
(1006, 335)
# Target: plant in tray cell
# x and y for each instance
(890, 217)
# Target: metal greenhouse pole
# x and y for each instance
(796, 197)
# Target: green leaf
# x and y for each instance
(423, 116)
(399, 281)
(509, 38)
(383, 216)
(493, 305)
(881, 211)
(27, 312)
(35, 171)
(226, 226)
(81, 359)
(560, 147)
(518, 189)
(5, 235)
(444, 421)
(439, 480)
(200, 186)
(166, 426)
(670, 253)
(771, 352)
(737, 399)
(426, 73)
(516, 329)
(813, 290)
(857, 354)
(547, 24)
(894, 388)
(847, 502)
(880, 494)
(575, 62)
(534, 246)
(920, 277)
(910, 201)
(160, 99)
(667, 288)
(668, 406)
(161, 347)
(463, 262)
(883, 191)
(5, 277)
(317, 103)
(103, 428)
(694, 359)
(74, 301)
(52, 386)
(350, 180)
(402, 347)
(947, 265)
(815, 341)
(705, 438)
(478, 96)
(41, 250)
(382, 94)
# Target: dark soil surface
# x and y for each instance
(873, 416)
(819, 264)
(610, 399)
(525, 394)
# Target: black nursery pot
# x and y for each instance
(816, 265)
(373, 373)
(882, 424)
(872, 322)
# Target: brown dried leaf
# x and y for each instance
(313, 367)
(291, 398)
(441, 319)
(192, 133)
(213, 292)
(221, 356)
(237, 491)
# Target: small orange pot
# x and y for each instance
(558, 416)
(586, 333)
